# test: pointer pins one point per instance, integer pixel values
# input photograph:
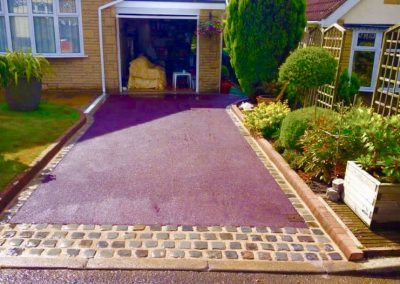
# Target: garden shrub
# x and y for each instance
(266, 119)
(259, 35)
(293, 157)
(308, 68)
(380, 143)
(327, 146)
(295, 124)
(355, 134)
(348, 87)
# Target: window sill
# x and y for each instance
(61, 56)
(65, 56)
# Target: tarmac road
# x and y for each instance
(140, 276)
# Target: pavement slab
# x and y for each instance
(177, 160)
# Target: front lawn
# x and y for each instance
(24, 135)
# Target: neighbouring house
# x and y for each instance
(362, 24)
(90, 43)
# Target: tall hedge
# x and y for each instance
(259, 34)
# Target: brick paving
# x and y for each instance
(141, 241)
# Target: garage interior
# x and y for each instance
(169, 44)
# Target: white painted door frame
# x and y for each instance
(155, 16)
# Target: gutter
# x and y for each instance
(99, 12)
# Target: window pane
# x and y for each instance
(3, 38)
(363, 66)
(69, 35)
(42, 6)
(18, 6)
(1, 7)
(67, 6)
(20, 33)
(366, 39)
(44, 34)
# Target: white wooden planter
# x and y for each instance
(374, 202)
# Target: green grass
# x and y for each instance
(24, 135)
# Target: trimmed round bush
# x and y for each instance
(295, 124)
(308, 68)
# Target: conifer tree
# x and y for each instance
(259, 35)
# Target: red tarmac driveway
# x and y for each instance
(161, 161)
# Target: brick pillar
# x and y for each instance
(209, 57)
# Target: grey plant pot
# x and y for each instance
(25, 96)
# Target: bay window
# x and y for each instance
(364, 59)
(51, 28)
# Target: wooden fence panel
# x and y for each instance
(386, 99)
(332, 41)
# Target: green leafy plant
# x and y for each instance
(328, 145)
(308, 68)
(259, 35)
(210, 27)
(295, 124)
(293, 157)
(355, 133)
(381, 144)
(19, 64)
(4, 69)
(265, 119)
(348, 87)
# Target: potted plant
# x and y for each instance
(372, 182)
(210, 27)
(226, 84)
(21, 74)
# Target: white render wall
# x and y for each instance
(373, 12)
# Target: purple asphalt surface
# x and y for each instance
(161, 161)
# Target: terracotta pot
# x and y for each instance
(226, 85)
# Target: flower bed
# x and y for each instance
(318, 143)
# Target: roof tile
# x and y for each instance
(320, 9)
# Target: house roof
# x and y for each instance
(184, 1)
(318, 10)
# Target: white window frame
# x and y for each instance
(2, 14)
(376, 48)
(56, 15)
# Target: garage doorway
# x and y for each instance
(167, 43)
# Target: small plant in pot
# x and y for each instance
(372, 182)
(21, 74)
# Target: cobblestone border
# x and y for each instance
(179, 247)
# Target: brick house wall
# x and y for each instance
(346, 51)
(85, 73)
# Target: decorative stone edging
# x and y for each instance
(336, 231)
(21, 180)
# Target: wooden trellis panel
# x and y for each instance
(312, 37)
(386, 99)
(332, 41)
